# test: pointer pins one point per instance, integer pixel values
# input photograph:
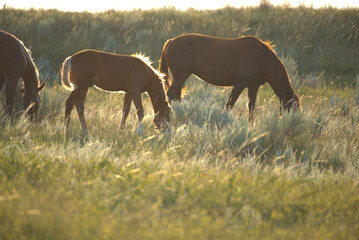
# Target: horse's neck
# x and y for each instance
(157, 96)
(284, 92)
(280, 84)
(30, 77)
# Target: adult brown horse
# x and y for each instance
(114, 72)
(16, 63)
(244, 62)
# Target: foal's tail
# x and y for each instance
(163, 65)
(65, 74)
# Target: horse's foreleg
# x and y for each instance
(252, 95)
(125, 110)
(140, 114)
(80, 106)
(11, 85)
(236, 91)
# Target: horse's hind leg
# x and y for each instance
(70, 103)
(140, 114)
(252, 95)
(80, 106)
(236, 91)
(125, 110)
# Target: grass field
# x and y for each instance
(212, 175)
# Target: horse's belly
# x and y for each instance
(217, 78)
(219, 82)
(109, 85)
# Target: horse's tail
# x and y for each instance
(65, 74)
(163, 65)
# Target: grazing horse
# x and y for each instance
(16, 63)
(114, 72)
(244, 62)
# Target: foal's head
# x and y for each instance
(31, 100)
(162, 118)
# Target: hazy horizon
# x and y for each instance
(68, 5)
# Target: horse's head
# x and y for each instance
(293, 104)
(174, 94)
(31, 100)
(162, 118)
(176, 91)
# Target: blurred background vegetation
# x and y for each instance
(320, 41)
(212, 175)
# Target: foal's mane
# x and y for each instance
(148, 62)
(159, 76)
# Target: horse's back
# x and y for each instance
(85, 59)
(219, 61)
(205, 41)
(84, 65)
(12, 55)
(98, 60)
(203, 44)
(108, 71)
(125, 73)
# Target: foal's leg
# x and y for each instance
(80, 105)
(236, 91)
(10, 93)
(252, 95)
(125, 110)
(140, 114)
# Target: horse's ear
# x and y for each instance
(22, 90)
(41, 87)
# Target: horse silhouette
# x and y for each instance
(245, 62)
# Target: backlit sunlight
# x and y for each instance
(93, 6)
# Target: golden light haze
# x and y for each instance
(94, 6)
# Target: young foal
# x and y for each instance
(113, 72)
(242, 63)
(16, 63)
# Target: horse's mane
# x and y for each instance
(147, 60)
(278, 64)
(30, 60)
(269, 45)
